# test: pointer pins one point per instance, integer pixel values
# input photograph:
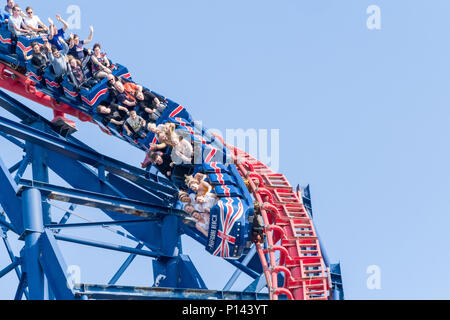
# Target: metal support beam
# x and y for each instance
(67, 215)
(88, 156)
(7, 225)
(15, 167)
(38, 159)
(139, 293)
(238, 272)
(113, 247)
(97, 224)
(10, 268)
(33, 223)
(124, 266)
(336, 280)
(167, 270)
(8, 198)
(13, 140)
(55, 268)
(100, 201)
(21, 287)
(22, 168)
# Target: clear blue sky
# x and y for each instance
(363, 117)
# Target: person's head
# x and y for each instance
(119, 86)
(10, 3)
(156, 157)
(152, 128)
(184, 197)
(200, 199)
(140, 95)
(74, 63)
(197, 216)
(56, 52)
(133, 114)
(97, 49)
(194, 186)
(29, 11)
(16, 10)
(76, 39)
(101, 109)
(192, 183)
(111, 79)
(36, 47)
(189, 208)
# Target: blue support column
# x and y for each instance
(38, 157)
(34, 227)
(165, 270)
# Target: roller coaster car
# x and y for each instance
(231, 220)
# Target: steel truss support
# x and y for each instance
(34, 227)
(130, 293)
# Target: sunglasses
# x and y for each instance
(29, 12)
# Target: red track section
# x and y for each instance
(18, 83)
(289, 230)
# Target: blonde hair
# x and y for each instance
(190, 180)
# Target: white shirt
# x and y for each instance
(185, 149)
(15, 22)
(33, 22)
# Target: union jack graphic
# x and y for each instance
(24, 49)
(94, 101)
(32, 74)
(229, 215)
(5, 40)
(210, 155)
(52, 84)
(70, 93)
(176, 112)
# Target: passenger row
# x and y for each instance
(130, 107)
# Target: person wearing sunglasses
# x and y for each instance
(33, 22)
(16, 23)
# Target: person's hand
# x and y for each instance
(91, 28)
(61, 39)
(169, 174)
(129, 133)
(71, 36)
(50, 20)
(58, 17)
(172, 164)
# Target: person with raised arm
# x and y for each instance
(55, 34)
(58, 59)
(76, 46)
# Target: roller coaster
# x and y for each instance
(261, 224)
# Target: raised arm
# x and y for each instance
(91, 36)
(52, 25)
(71, 41)
(65, 50)
(65, 25)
